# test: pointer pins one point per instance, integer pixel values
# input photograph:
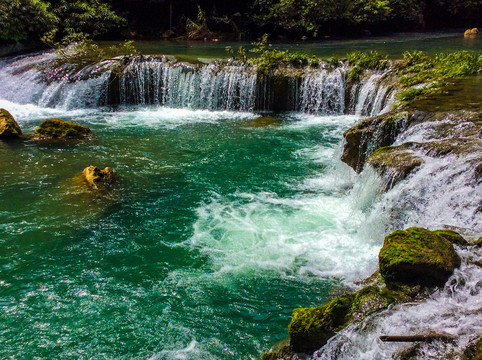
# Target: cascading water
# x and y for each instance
(443, 192)
(213, 87)
(323, 92)
(216, 86)
(219, 228)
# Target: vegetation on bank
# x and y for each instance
(422, 74)
(22, 20)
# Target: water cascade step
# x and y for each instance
(220, 85)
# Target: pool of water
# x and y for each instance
(394, 45)
(220, 225)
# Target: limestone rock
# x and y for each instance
(9, 128)
(369, 135)
(417, 256)
(394, 163)
(99, 179)
(60, 129)
(471, 32)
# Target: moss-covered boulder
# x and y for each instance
(417, 256)
(60, 129)
(99, 179)
(310, 328)
(9, 128)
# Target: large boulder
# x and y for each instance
(9, 128)
(417, 256)
(60, 129)
(99, 179)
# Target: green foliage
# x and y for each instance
(77, 51)
(21, 19)
(240, 55)
(267, 57)
(92, 17)
(198, 30)
(419, 68)
(311, 15)
(361, 61)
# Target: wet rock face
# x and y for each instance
(60, 129)
(417, 256)
(394, 163)
(99, 179)
(311, 328)
(9, 128)
(369, 135)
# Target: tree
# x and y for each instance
(22, 19)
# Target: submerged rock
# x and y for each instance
(9, 128)
(99, 179)
(417, 256)
(60, 129)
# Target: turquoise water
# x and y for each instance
(394, 45)
(217, 229)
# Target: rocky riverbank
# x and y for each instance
(412, 262)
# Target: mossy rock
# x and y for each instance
(60, 129)
(452, 236)
(285, 353)
(417, 256)
(9, 128)
(311, 328)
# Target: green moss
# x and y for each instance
(370, 300)
(9, 128)
(267, 58)
(382, 150)
(60, 129)
(452, 236)
(434, 71)
(417, 255)
(311, 328)
(285, 353)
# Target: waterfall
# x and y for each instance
(323, 92)
(370, 96)
(215, 86)
(443, 192)
(159, 81)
